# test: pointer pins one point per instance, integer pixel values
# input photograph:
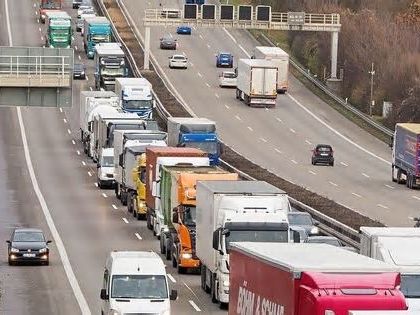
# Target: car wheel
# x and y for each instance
(168, 253)
(11, 263)
(149, 222)
(181, 270)
(332, 163)
(170, 67)
(47, 263)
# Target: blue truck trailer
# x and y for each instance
(195, 132)
(406, 154)
(96, 30)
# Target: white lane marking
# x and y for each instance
(366, 175)
(84, 308)
(42, 38)
(9, 30)
(250, 128)
(357, 195)
(294, 162)
(65, 120)
(344, 164)
(90, 88)
(78, 152)
(80, 58)
(96, 184)
(83, 163)
(201, 36)
(278, 151)
(292, 130)
(171, 278)
(263, 140)
(389, 186)
(87, 78)
(217, 95)
(337, 132)
(208, 85)
(199, 74)
(125, 220)
(266, 109)
(238, 118)
(104, 195)
(230, 35)
(227, 106)
(194, 306)
(415, 197)
(334, 184)
(90, 174)
(39, 29)
(279, 120)
(138, 236)
(192, 65)
(61, 109)
(208, 46)
(382, 206)
(69, 131)
(308, 142)
(75, 47)
(115, 207)
(74, 142)
(312, 172)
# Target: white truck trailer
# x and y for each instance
(397, 246)
(235, 211)
(281, 59)
(135, 96)
(89, 100)
(257, 82)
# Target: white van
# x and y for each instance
(135, 282)
(106, 168)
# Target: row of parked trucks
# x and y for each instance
(236, 233)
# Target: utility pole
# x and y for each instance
(372, 102)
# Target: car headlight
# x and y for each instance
(186, 256)
(14, 250)
(226, 283)
(82, 73)
(314, 230)
(43, 250)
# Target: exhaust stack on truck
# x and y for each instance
(309, 279)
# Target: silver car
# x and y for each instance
(178, 61)
(227, 79)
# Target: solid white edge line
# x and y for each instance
(194, 305)
(171, 278)
(51, 225)
(84, 307)
(138, 236)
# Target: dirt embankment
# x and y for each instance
(322, 204)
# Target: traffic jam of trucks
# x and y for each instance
(232, 233)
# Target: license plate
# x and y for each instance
(29, 255)
(324, 154)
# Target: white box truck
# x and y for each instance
(397, 246)
(135, 96)
(281, 59)
(235, 211)
(257, 82)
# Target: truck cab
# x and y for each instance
(96, 30)
(110, 63)
(59, 31)
(135, 282)
(48, 5)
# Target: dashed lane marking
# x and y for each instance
(382, 206)
(357, 195)
(294, 162)
(208, 85)
(138, 236)
(227, 106)
(366, 175)
(278, 151)
(104, 195)
(78, 152)
(250, 128)
(292, 130)
(238, 118)
(334, 184)
(308, 142)
(194, 306)
(90, 174)
(83, 163)
(312, 172)
(415, 197)
(74, 142)
(344, 164)
(125, 220)
(115, 207)
(217, 95)
(263, 140)
(199, 74)
(389, 186)
(65, 120)
(69, 131)
(171, 278)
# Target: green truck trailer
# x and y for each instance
(59, 31)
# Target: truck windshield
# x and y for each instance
(256, 236)
(138, 104)
(113, 72)
(107, 161)
(51, 4)
(100, 38)
(139, 287)
(410, 285)
(209, 147)
(189, 216)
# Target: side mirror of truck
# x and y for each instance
(175, 216)
(173, 296)
(216, 238)
(316, 223)
(120, 160)
(296, 237)
(104, 296)
(98, 165)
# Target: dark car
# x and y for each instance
(77, 3)
(303, 220)
(183, 30)
(224, 59)
(323, 153)
(28, 245)
(168, 42)
(79, 71)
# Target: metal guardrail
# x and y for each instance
(388, 132)
(328, 225)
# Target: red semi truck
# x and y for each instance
(46, 5)
(309, 279)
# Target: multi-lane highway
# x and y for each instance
(89, 222)
(281, 139)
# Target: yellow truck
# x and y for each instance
(136, 201)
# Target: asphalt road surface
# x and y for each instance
(90, 222)
(281, 139)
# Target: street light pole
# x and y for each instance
(372, 74)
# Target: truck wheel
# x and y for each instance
(174, 263)
(399, 180)
(392, 174)
(117, 191)
(148, 221)
(162, 246)
(237, 94)
(203, 278)
(224, 306)
(123, 198)
(181, 270)
(129, 202)
(168, 253)
(213, 289)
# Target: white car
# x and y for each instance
(227, 79)
(178, 61)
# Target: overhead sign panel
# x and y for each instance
(263, 13)
(208, 12)
(227, 12)
(190, 11)
(295, 18)
(245, 12)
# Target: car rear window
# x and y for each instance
(179, 57)
(324, 149)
